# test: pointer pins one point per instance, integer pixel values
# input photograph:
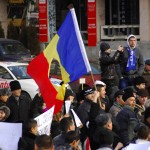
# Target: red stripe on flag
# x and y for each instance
(38, 70)
(58, 105)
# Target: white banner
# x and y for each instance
(44, 121)
(10, 134)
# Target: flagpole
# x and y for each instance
(99, 101)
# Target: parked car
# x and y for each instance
(95, 67)
(13, 50)
(18, 71)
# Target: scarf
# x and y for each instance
(131, 64)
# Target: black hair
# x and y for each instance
(44, 142)
(143, 132)
(103, 136)
(71, 136)
(29, 124)
(65, 123)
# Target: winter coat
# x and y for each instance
(83, 111)
(27, 141)
(94, 112)
(59, 139)
(140, 110)
(19, 110)
(127, 120)
(36, 106)
(107, 64)
(146, 76)
(2, 103)
(115, 109)
(139, 63)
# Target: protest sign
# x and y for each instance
(44, 121)
(10, 134)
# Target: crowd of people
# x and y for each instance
(115, 112)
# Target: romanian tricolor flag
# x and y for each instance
(68, 49)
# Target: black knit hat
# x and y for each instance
(119, 92)
(127, 95)
(15, 85)
(139, 80)
(104, 46)
(147, 62)
(88, 91)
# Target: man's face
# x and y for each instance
(102, 92)
(132, 42)
(17, 92)
(2, 115)
(4, 98)
(141, 86)
(147, 67)
(131, 102)
(90, 96)
(142, 99)
(34, 130)
(72, 126)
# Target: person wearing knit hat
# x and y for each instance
(109, 73)
(18, 104)
(129, 98)
(4, 113)
(104, 46)
(127, 118)
(15, 85)
(90, 96)
(139, 83)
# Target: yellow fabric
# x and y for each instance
(51, 53)
(61, 92)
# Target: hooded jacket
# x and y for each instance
(139, 60)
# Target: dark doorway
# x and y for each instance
(80, 8)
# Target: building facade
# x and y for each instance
(115, 19)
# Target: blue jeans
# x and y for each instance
(125, 82)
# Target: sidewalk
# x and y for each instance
(93, 52)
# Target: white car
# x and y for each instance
(18, 71)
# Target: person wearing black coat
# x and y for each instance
(18, 104)
(128, 119)
(100, 119)
(26, 142)
(108, 65)
(37, 106)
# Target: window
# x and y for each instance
(4, 74)
(122, 12)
